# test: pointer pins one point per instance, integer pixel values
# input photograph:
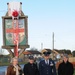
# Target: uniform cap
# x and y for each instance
(31, 57)
(46, 53)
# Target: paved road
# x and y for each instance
(2, 70)
(2, 73)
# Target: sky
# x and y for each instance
(44, 18)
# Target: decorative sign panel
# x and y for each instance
(10, 32)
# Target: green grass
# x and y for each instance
(6, 63)
(74, 73)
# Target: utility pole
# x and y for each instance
(53, 41)
(41, 46)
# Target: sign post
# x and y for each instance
(15, 29)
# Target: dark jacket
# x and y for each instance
(47, 69)
(65, 68)
(30, 69)
(11, 70)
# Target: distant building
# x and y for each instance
(35, 53)
(32, 52)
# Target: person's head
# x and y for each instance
(65, 58)
(14, 61)
(46, 55)
(31, 59)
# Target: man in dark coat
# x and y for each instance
(30, 68)
(47, 66)
(65, 68)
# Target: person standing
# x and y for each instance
(47, 66)
(31, 68)
(14, 68)
(65, 68)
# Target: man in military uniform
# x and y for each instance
(31, 68)
(47, 66)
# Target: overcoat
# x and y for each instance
(12, 71)
(30, 69)
(65, 68)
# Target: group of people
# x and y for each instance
(46, 67)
